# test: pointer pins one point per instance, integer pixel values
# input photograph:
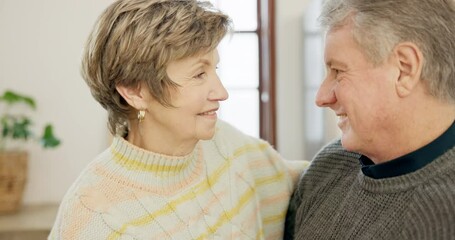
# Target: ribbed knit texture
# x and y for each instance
(231, 187)
(337, 201)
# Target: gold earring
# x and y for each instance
(141, 115)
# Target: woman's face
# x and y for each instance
(195, 101)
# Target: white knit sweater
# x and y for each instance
(231, 187)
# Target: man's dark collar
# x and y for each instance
(410, 162)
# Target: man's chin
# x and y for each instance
(347, 142)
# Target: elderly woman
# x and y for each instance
(173, 171)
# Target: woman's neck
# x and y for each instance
(160, 143)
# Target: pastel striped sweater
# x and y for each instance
(231, 187)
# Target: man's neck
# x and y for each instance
(421, 126)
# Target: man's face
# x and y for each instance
(362, 95)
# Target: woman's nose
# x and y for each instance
(219, 92)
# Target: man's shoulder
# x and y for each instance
(334, 155)
(439, 179)
(431, 209)
(440, 186)
(331, 164)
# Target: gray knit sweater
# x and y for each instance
(335, 200)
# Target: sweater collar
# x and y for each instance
(410, 162)
(134, 158)
(149, 171)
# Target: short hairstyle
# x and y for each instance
(378, 26)
(133, 41)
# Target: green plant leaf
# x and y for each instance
(21, 128)
(48, 140)
(11, 97)
(15, 126)
(5, 127)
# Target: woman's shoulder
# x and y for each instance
(226, 129)
(229, 141)
(87, 175)
(229, 136)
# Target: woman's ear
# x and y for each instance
(410, 63)
(133, 96)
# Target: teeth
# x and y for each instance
(208, 113)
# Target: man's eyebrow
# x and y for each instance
(333, 62)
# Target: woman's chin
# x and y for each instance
(206, 132)
(207, 135)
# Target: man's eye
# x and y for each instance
(336, 74)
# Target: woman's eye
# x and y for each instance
(200, 75)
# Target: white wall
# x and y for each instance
(40, 48)
(289, 77)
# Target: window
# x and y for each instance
(247, 68)
(319, 123)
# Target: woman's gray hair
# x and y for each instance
(133, 42)
(380, 25)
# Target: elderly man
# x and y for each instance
(391, 81)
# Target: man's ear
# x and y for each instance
(410, 64)
(133, 96)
